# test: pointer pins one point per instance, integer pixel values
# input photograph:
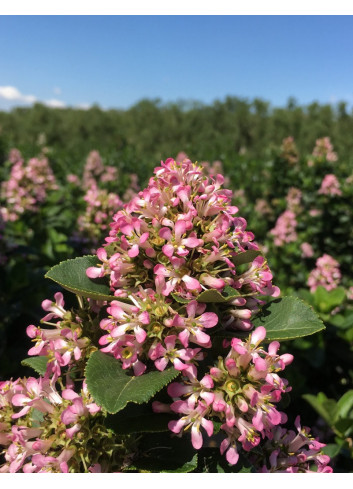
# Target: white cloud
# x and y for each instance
(54, 103)
(14, 95)
(83, 106)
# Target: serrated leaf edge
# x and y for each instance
(84, 292)
(298, 336)
(127, 402)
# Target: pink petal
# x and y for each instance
(168, 250)
(258, 335)
(102, 254)
(257, 420)
(93, 272)
(191, 283)
(140, 334)
(139, 368)
(179, 229)
(165, 233)
(72, 431)
(20, 400)
(191, 309)
(68, 417)
(208, 425)
(184, 338)
(208, 319)
(192, 242)
(134, 251)
(196, 437)
(232, 456)
(161, 270)
(59, 299)
(202, 338)
(161, 363)
(176, 426)
(177, 390)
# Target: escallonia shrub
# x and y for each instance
(170, 361)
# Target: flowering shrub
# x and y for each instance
(27, 186)
(176, 304)
(330, 186)
(101, 206)
(326, 273)
(284, 231)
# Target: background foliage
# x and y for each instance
(247, 137)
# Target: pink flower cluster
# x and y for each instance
(239, 392)
(95, 171)
(289, 150)
(173, 241)
(263, 208)
(63, 343)
(307, 250)
(323, 151)
(42, 426)
(211, 169)
(100, 208)
(27, 186)
(290, 452)
(330, 186)
(326, 273)
(285, 228)
(293, 199)
(53, 443)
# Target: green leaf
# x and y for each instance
(71, 275)
(179, 299)
(245, 257)
(186, 468)
(288, 318)
(112, 387)
(214, 295)
(344, 426)
(210, 295)
(39, 364)
(345, 404)
(229, 293)
(37, 418)
(327, 300)
(325, 407)
(331, 450)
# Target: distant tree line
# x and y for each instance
(151, 130)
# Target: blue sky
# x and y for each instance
(115, 61)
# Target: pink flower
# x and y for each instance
(330, 186)
(326, 273)
(194, 418)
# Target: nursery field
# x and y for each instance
(66, 174)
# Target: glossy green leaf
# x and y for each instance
(39, 364)
(345, 404)
(245, 257)
(112, 387)
(179, 299)
(326, 300)
(325, 407)
(215, 296)
(71, 275)
(288, 318)
(332, 450)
